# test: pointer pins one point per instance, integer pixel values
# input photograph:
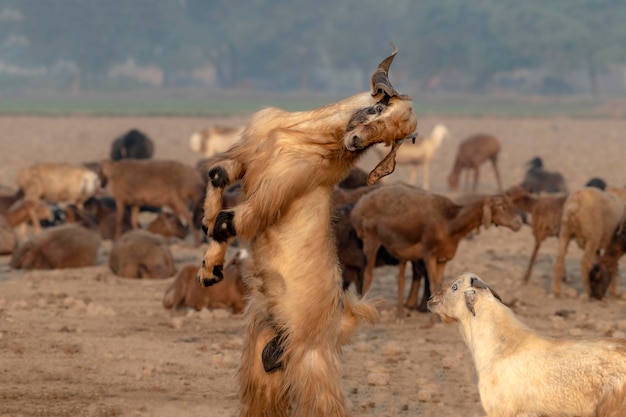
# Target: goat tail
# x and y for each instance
(355, 311)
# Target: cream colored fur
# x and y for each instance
(523, 374)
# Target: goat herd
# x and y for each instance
(78, 206)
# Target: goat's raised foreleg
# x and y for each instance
(217, 224)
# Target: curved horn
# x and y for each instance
(380, 78)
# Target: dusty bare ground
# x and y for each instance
(83, 342)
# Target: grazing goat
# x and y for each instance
(67, 246)
(214, 140)
(133, 144)
(472, 152)
(521, 373)
(539, 180)
(156, 183)
(604, 273)
(420, 153)
(229, 294)
(299, 317)
(420, 225)
(141, 254)
(590, 216)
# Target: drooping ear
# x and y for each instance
(470, 297)
(477, 283)
(486, 215)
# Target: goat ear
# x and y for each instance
(477, 283)
(486, 216)
(470, 297)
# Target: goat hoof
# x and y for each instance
(272, 352)
(206, 280)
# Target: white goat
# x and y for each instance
(420, 153)
(522, 374)
(214, 139)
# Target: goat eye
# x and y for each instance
(379, 108)
(455, 287)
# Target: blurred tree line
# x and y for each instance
(300, 44)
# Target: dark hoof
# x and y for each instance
(272, 352)
(206, 280)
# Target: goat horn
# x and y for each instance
(380, 78)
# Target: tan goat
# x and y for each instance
(472, 153)
(298, 314)
(591, 217)
(521, 373)
(57, 183)
(420, 153)
(420, 225)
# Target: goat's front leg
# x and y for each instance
(211, 271)
(220, 177)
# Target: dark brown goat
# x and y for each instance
(420, 225)
(67, 246)
(229, 294)
(472, 153)
(141, 254)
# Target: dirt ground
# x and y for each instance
(84, 342)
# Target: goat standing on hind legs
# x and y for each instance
(299, 317)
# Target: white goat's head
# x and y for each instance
(456, 301)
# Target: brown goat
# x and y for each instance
(288, 164)
(420, 225)
(141, 254)
(229, 294)
(545, 212)
(168, 225)
(472, 152)
(135, 182)
(67, 246)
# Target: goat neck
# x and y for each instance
(468, 218)
(493, 332)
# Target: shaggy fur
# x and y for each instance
(299, 317)
(521, 373)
